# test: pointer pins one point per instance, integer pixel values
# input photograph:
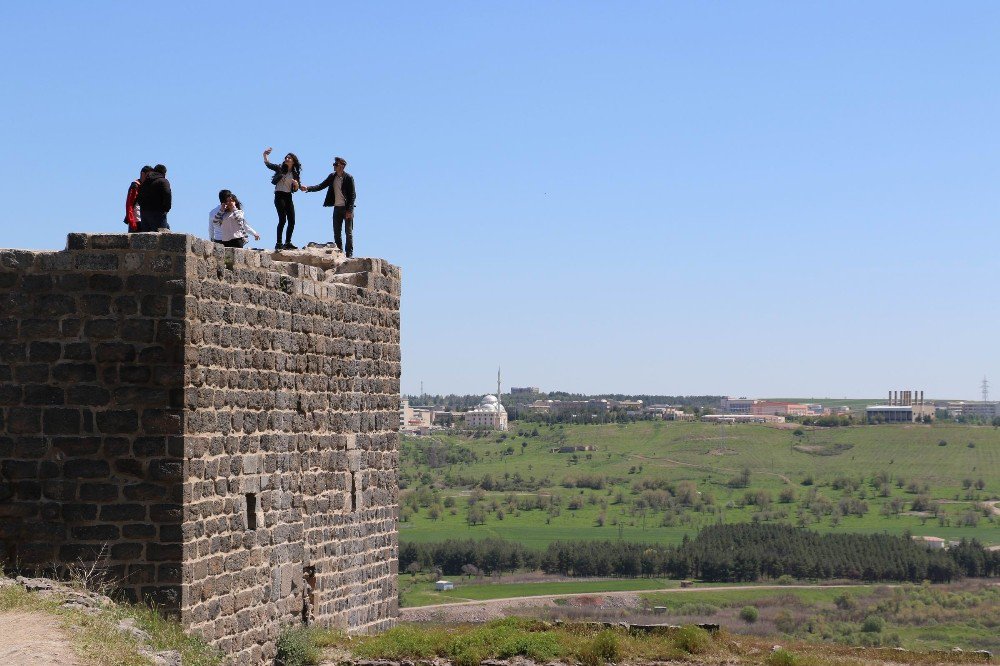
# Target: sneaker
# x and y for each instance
(289, 246)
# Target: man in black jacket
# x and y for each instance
(154, 200)
(341, 197)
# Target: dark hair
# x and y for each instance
(225, 194)
(145, 169)
(159, 168)
(340, 160)
(296, 165)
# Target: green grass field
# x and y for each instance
(815, 595)
(709, 456)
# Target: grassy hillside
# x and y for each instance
(828, 476)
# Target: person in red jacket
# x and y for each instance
(131, 207)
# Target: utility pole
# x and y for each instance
(986, 389)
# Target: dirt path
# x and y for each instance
(484, 611)
(709, 468)
(34, 639)
(994, 507)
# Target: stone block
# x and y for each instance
(82, 468)
(97, 262)
(43, 395)
(117, 421)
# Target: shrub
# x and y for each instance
(784, 579)
(873, 624)
(297, 648)
(845, 602)
(784, 622)
(749, 614)
(696, 608)
(781, 657)
(870, 640)
(602, 649)
(402, 642)
(692, 639)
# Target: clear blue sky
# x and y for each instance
(794, 199)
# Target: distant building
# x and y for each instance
(902, 407)
(978, 409)
(489, 414)
(775, 408)
(404, 413)
(524, 390)
(667, 413)
(597, 406)
(932, 542)
(889, 413)
(743, 418)
(445, 419)
(414, 419)
(444, 585)
(737, 405)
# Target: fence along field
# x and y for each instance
(659, 481)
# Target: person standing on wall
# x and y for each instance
(131, 207)
(154, 200)
(341, 196)
(285, 181)
(226, 224)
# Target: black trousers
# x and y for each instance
(286, 213)
(153, 220)
(236, 242)
(338, 224)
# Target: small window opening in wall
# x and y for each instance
(251, 511)
(354, 491)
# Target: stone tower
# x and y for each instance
(216, 428)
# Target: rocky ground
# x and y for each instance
(36, 636)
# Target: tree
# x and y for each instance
(475, 515)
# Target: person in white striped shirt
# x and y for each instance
(226, 224)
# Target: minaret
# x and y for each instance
(499, 404)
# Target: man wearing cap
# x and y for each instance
(341, 197)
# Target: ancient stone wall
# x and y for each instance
(91, 387)
(292, 406)
(218, 427)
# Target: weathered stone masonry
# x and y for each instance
(217, 427)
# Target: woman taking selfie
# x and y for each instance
(226, 224)
(285, 181)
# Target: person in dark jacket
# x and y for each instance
(285, 181)
(341, 197)
(131, 207)
(154, 200)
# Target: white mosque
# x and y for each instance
(489, 414)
